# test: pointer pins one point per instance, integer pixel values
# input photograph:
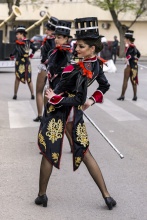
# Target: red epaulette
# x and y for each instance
(68, 69)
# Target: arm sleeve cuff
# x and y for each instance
(56, 99)
(128, 57)
(97, 96)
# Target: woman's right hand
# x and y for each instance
(49, 93)
(87, 104)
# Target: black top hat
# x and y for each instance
(129, 34)
(87, 28)
(51, 24)
(21, 29)
(63, 28)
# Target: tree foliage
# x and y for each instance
(116, 7)
(137, 7)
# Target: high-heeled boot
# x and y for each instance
(38, 119)
(110, 202)
(15, 97)
(41, 200)
(121, 98)
(134, 98)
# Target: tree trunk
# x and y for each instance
(122, 30)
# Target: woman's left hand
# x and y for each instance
(49, 93)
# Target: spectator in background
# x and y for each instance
(114, 49)
(106, 55)
(105, 52)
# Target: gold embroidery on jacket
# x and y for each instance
(41, 140)
(25, 55)
(55, 157)
(134, 74)
(50, 109)
(29, 68)
(17, 75)
(23, 60)
(70, 95)
(79, 107)
(82, 134)
(54, 130)
(77, 161)
(21, 68)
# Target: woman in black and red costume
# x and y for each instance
(59, 58)
(47, 45)
(23, 70)
(131, 70)
(66, 103)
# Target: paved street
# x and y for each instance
(74, 195)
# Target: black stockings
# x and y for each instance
(45, 173)
(91, 164)
(125, 82)
(95, 172)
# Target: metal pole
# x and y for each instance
(92, 122)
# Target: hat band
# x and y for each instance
(22, 28)
(87, 28)
(52, 24)
(63, 27)
(129, 34)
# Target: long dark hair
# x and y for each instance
(94, 42)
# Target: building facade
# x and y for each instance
(70, 9)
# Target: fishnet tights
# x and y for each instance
(45, 173)
(91, 164)
(95, 173)
(125, 82)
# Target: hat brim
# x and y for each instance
(58, 32)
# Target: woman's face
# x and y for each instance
(60, 40)
(84, 50)
(127, 41)
(19, 36)
(48, 32)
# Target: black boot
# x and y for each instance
(15, 97)
(134, 98)
(121, 98)
(38, 119)
(110, 202)
(32, 97)
(41, 200)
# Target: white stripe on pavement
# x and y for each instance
(21, 114)
(141, 103)
(117, 112)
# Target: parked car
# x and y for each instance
(37, 40)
